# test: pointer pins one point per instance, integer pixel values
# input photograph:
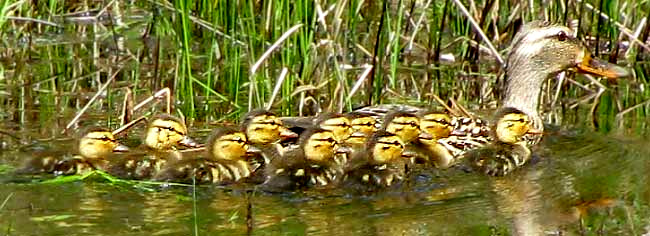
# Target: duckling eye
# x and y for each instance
(238, 140)
(561, 36)
(441, 121)
(385, 147)
(107, 139)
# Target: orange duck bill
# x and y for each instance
(595, 66)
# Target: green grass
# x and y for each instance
(205, 51)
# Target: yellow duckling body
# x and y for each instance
(430, 151)
(510, 149)
(312, 164)
(381, 165)
(94, 147)
(225, 161)
(163, 136)
(264, 131)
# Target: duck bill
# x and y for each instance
(252, 150)
(121, 148)
(408, 154)
(358, 134)
(425, 136)
(595, 66)
(189, 142)
(287, 134)
(343, 150)
(534, 131)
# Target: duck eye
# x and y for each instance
(104, 138)
(561, 36)
(385, 147)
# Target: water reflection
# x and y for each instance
(579, 183)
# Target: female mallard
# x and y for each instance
(539, 51)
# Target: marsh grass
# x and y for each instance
(299, 57)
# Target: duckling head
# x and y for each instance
(437, 124)
(512, 125)
(337, 123)
(165, 132)
(264, 127)
(227, 144)
(405, 125)
(96, 143)
(363, 123)
(541, 50)
(319, 145)
(385, 147)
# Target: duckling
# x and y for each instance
(363, 126)
(163, 136)
(225, 161)
(381, 165)
(311, 164)
(438, 125)
(403, 124)
(264, 131)
(335, 122)
(94, 146)
(510, 149)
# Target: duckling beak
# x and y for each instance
(425, 136)
(596, 66)
(189, 142)
(287, 134)
(408, 154)
(121, 148)
(252, 150)
(343, 150)
(358, 134)
(534, 131)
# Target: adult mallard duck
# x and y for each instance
(510, 149)
(225, 161)
(312, 164)
(94, 146)
(539, 51)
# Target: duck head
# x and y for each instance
(403, 124)
(319, 145)
(264, 127)
(97, 143)
(385, 147)
(165, 132)
(227, 144)
(437, 124)
(539, 51)
(363, 126)
(512, 125)
(337, 123)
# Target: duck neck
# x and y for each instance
(523, 88)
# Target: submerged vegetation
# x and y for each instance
(222, 58)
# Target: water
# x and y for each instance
(581, 182)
